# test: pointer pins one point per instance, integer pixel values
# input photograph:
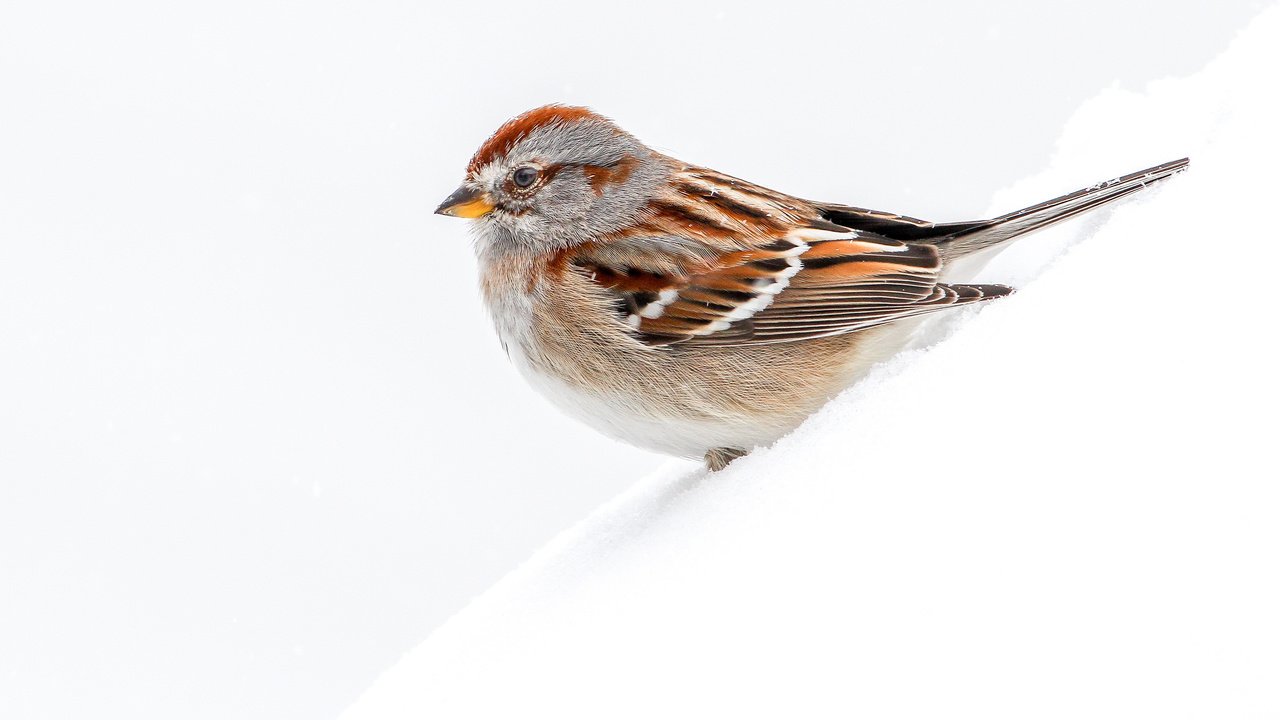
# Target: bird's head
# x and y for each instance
(555, 177)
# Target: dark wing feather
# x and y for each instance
(889, 225)
(844, 286)
(725, 262)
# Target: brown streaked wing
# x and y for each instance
(849, 285)
(859, 312)
(700, 299)
(725, 262)
(832, 287)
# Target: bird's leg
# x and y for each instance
(718, 459)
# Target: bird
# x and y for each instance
(693, 313)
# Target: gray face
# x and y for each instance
(564, 183)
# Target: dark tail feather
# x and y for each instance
(966, 238)
(961, 238)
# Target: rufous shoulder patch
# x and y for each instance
(600, 177)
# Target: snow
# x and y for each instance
(1065, 508)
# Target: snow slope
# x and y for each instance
(956, 536)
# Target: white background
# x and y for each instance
(256, 438)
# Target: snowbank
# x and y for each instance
(1065, 509)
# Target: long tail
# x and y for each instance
(955, 240)
(972, 237)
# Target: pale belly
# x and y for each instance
(684, 405)
(646, 419)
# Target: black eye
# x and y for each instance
(524, 177)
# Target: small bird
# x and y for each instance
(689, 312)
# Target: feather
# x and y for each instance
(725, 262)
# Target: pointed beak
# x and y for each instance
(466, 202)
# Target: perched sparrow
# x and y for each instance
(689, 312)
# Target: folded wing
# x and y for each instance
(729, 263)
